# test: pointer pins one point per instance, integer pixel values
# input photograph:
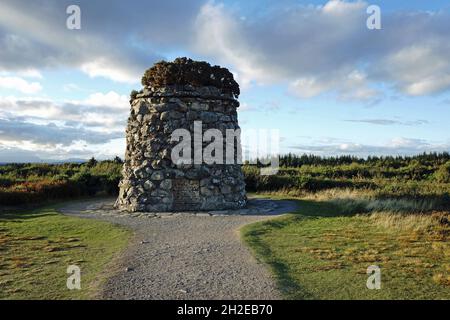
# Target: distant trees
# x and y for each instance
(117, 160)
(92, 162)
(426, 159)
(40, 182)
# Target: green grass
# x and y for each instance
(37, 246)
(322, 252)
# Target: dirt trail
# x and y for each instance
(186, 255)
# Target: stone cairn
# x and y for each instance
(176, 94)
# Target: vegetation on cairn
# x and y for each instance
(133, 94)
(184, 71)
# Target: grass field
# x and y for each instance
(37, 246)
(388, 211)
(322, 251)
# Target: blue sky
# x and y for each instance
(310, 69)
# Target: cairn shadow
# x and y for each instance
(24, 214)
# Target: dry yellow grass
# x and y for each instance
(436, 223)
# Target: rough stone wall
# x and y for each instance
(151, 181)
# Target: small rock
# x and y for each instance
(157, 176)
(166, 184)
(199, 106)
(208, 117)
(175, 115)
(148, 185)
(225, 189)
(165, 115)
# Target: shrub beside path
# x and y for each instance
(186, 255)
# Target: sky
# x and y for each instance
(310, 69)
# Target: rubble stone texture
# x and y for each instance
(151, 181)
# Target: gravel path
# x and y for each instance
(186, 255)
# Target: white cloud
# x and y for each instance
(419, 69)
(218, 34)
(395, 146)
(278, 46)
(9, 152)
(315, 49)
(307, 87)
(328, 49)
(33, 36)
(336, 7)
(109, 99)
(39, 107)
(106, 68)
(351, 86)
(19, 84)
(50, 134)
(401, 142)
(103, 112)
(30, 73)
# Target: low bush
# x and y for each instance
(420, 178)
(34, 183)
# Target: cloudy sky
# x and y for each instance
(309, 68)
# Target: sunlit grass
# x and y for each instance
(322, 251)
(36, 247)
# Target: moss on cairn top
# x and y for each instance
(185, 71)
